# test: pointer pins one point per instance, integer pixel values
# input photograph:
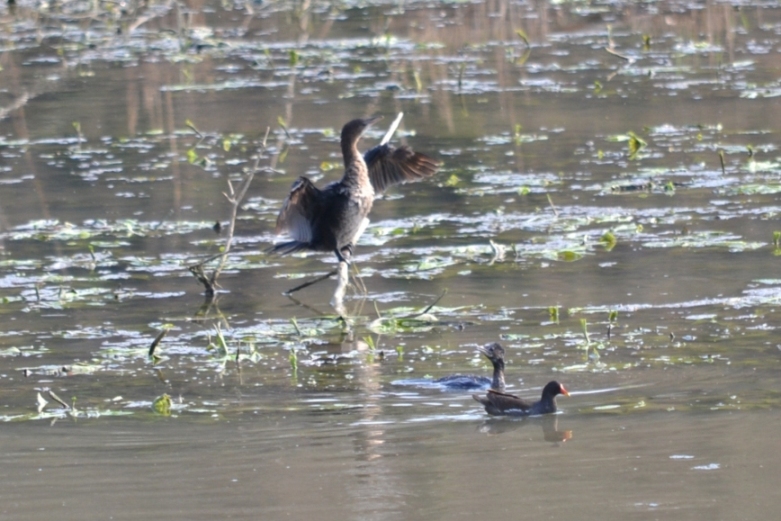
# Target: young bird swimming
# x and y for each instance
(495, 353)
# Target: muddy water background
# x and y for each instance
(673, 415)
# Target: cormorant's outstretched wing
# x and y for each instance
(299, 210)
(389, 165)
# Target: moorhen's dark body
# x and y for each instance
(499, 404)
(468, 382)
(333, 218)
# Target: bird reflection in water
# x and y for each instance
(549, 424)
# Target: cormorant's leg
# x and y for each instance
(337, 301)
(344, 254)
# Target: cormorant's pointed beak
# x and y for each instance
(564, 391)
(372, 120)
(484, 351)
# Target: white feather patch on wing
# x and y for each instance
(297, 209)
(298, 226)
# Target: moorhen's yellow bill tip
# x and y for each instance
(563, 390)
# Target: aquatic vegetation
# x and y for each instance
(568, 197)
(162, 405)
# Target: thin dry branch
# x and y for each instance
(429, 307)
(553, 206)
(234, 197)
(156, 342)
(141, 20)
(310, 282)
(619, 55)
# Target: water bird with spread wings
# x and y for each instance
(332, 218)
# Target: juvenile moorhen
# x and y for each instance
(499, 404)
(334, 217)
(495, 353)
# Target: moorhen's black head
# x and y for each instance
(494, 352)
(353, 130)
(552, 389)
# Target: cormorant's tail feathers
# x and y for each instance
(481, 398)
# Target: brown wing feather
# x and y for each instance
(505, 401)
(299, 209)
(389, 166)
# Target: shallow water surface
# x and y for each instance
(607, 208)
(341, 466)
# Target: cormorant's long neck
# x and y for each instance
(498, 380)
(355, 171)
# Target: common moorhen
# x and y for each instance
(499, 404)
(495, 353)
(334, 217)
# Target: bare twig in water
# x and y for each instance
(629, 60)
(141, 20)
(305, 306)
(311, 282)
(234, 198)
(430, 306)
(497, 251)
(553, 206)
(295, 325)
(358, 280)
(58, 399)
(619, 55)
(156, 342)
(189, 124)
(18, 103)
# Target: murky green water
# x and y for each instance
(634, 188)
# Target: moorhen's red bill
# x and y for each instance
(500, 404)
(333, 218)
